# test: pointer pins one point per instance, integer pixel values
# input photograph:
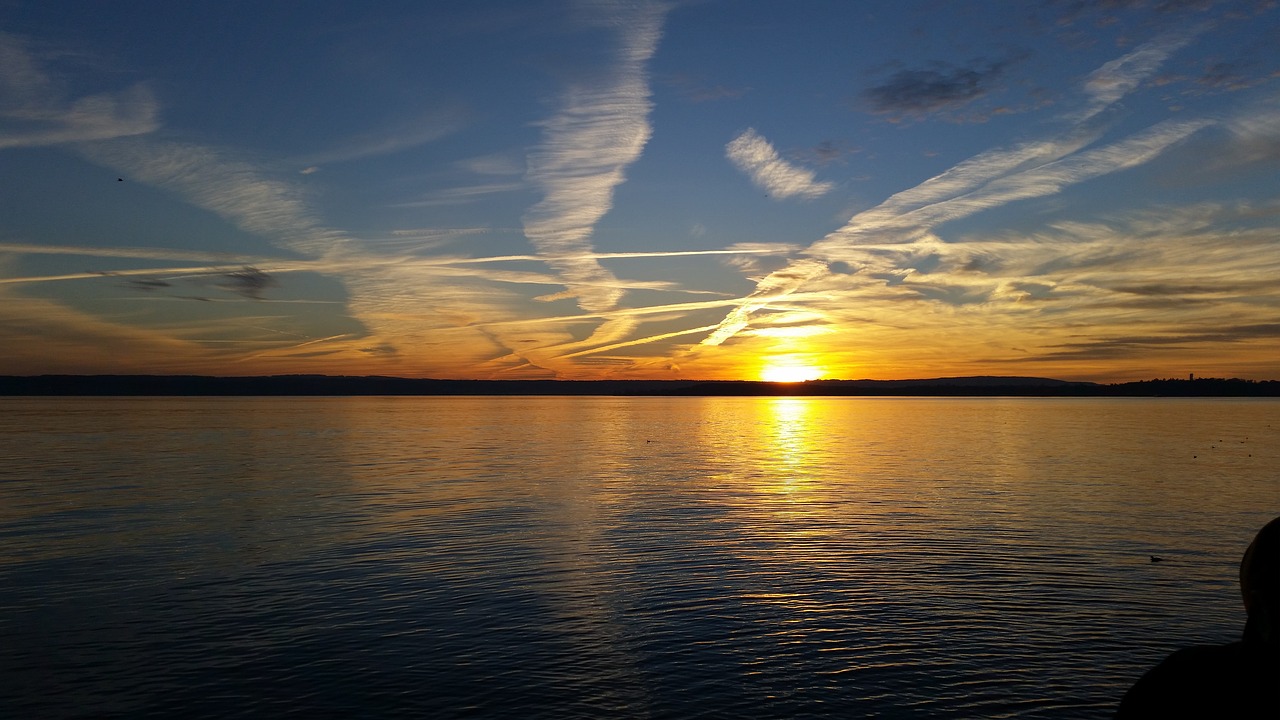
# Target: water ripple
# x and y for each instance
(646, 558)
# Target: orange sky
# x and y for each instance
(643, 190)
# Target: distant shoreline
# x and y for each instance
(328, 385)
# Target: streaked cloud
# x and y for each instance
(234, 189)
(754, 156)
(34, 110)
(44, 336)
(1121, 76)
(493, 164)
(601, 128)
(542, 193)
(990, 180)
(698, 90)
(461, 195)
(421, 129)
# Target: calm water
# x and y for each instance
(616, 557)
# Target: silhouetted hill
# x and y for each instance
(978, 385)
(1199, 387)
(174, 385)
(314, 385)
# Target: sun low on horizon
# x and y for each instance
(790, 370)
(790, 374)
(645, 190)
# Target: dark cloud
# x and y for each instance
(828, 152)
(1161, 289)
(381, 350)
(982, 263)
(1103, 12)
(1230, 76)
(249, 282)
(312, 354)
(941, 87)
(1031, 291)
(955, 295)
(782, 320)
(1086, 260)
(1178, 6)
(1179, 290)
(605, 361)
(146, 284)
(1137, 345)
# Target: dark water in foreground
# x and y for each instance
(616, 557)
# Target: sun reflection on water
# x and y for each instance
(790, 430)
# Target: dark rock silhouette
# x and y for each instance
(1235, 680)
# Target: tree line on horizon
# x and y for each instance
(321, 385)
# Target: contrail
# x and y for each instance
(641, 341)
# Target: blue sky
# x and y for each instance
(703, 189)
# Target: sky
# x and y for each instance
(698, 189)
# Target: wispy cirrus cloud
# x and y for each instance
(425, 305)
(34, 112)
(989, 180)
(421, 129)
(236, 190)
(461, 195)
(1116, 79)
(751, 153)
(697, 90)
(1039, 181)
(492, 164)
(43, 336)
(600, 130)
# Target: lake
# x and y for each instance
(553, 557)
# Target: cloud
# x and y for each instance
(1144, 345)
(1254, 138)
(1121, 76)
(1227, 76)
(249, 282)
(1106, 11)
(828, 151)
(140, 253)
(420, 130)
(43, 336)
(233, 189)
(753, 155)
(600, 130)
(698, 91)
(989, 180)
(426, 304)
(777, 284)
(913, 93)
(492, 164)
(33, 112)
(1052, 177)
(638, 341)
(147, 284)
(381, 350)
(168, 273)
(461, 195)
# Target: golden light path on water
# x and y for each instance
(623, 557)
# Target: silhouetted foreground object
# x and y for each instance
(1239, 680)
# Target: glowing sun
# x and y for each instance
(790, 373)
